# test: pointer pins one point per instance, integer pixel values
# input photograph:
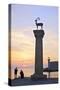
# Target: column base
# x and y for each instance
(38, 77)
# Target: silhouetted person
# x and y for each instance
(15, 72)
(21, 74)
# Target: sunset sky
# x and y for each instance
(22, 37)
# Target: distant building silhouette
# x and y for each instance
(52, 67)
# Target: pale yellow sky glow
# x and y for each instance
(23, 47)
(22, 50)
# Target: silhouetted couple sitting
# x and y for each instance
(16, 72)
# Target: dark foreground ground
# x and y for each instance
(28, 81)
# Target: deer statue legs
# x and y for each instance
(39, 24)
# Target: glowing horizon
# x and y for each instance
(26, 46)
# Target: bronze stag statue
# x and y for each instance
(38, 24)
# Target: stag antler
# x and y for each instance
(38, 18)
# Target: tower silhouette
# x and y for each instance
(38, 54)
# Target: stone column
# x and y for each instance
(38, 54)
